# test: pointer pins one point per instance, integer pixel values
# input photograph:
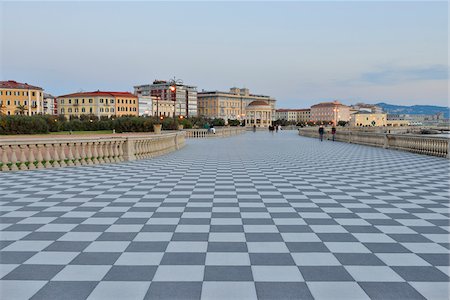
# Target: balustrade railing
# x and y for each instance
(38, 153)
(220, 132)
(428, 145)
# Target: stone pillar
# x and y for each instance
(128, 150)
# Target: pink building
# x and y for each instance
(330, 112)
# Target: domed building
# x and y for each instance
(258, 113)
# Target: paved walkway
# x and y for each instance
(273, 216)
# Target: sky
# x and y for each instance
(298, 52)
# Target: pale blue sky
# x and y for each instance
(298, 52)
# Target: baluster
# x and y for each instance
(89, 154)
(83, 154)
(62, 154)
(14, 158)
(23, 159)
(77, 161)
(100, 152)
(5, 160)
(39, 157)
(106, 152)
(70, 156)
(112, 152)
(115, 149)
(55, 156)
(95, 153)
(47, 156)
(31, 158)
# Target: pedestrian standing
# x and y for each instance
(333, 132)
(321, 132)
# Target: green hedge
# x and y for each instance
(41, 124)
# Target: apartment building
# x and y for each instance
(294, 115)
(229, 105)
(98, 103)
(18, 98)
(183, 97)
(330, 112)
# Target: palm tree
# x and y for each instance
(21, 109)
(2, 109)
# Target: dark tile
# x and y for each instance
(325, 273)
(227, 247)
(147, 247)
(33, 272)
(95, 258)
(437, 259)
(44, 236)
(358, 259)
(65, 290)
(421, 273)
(187, 236)
(131, 273)
(225, 273)
(268, 259)
(117, 236)
(183, 258)
(174, 290)
(336, 237)
(386, 248)
(307, 247)
(67, 246)
(282, 290)
(263, 237)
(390, 291)
(15, 257)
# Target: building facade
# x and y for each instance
(20, 98)
(99, 103)
(183, 97)
(368, 119)
(229, 105)
(332, 112)
(367, 108)
(145, 105)
(50, 105)
(294, 115)
(258, 114)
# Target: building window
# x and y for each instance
(70, 101)
(112, 101)
(69, 110)
(62, 110)
(106, 109)
(90, 110)
(90, 100)
(33, 94)
(83, 109)
(62, 101)
(112, 109)
(101, 100)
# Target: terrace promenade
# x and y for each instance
(257, 215)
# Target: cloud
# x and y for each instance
(400, 75)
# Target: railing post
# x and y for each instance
(128, 150)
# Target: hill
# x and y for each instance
(414, 109)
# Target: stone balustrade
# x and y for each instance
(421, 144)
(40, 153)
(220, 132)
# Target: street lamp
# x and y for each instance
(173, 92)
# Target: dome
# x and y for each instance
(259, 103)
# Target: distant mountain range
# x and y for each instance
(414, 110)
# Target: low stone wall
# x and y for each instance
(220, 132)
(53, 152)
(435, 146)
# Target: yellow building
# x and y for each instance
(229, 105)
(296, 115)
(368, 119)
(100, 104)
(20, 98)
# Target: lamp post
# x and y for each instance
(173, 92)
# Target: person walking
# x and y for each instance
(333, 132)
(321, 132)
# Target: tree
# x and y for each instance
(342, 123)
(2, 109)
(21, 109)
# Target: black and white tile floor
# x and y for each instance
(261, 215)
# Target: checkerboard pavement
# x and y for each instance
(261, 215)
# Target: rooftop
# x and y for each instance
(99, 94)
(11, 84)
